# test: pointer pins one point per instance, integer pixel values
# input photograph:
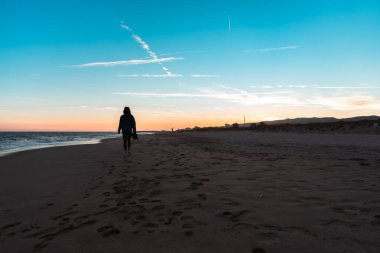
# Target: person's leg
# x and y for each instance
(129, 142)
(125, 142)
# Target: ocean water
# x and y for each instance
(11, 142)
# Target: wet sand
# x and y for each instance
(195, 192)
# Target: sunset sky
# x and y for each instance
(74, 65)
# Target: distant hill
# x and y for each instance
(320, 120)
(354, 125)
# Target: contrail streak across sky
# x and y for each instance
(229, 24)
(144, 45)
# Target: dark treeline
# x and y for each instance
(363, 126)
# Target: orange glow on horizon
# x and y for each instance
(105, 125)
(146, 121)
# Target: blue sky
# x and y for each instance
(66, 65)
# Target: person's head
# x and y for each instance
(127, 111)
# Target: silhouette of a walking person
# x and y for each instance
(127, 124)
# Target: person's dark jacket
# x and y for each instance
(127, 124)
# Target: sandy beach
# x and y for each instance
(195, 192)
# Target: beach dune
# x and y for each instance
(195, 192)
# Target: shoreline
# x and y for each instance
(53, 145)
(194, 192)
(368, 139)
(61, 143)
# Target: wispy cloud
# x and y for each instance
(107, 108)
(224, 93)
(298, 86)
(270, 86)
(181, 52)
(241, 98)
(180, 113)
(347, 87)
(164, 95)
(347, 102)
(152, 75)
(128, 62)
(166, 75)
(314, 86)
(86, 107)
(153, 57)
(147, 48)
(203, 75)
(268, 49)
(276, 98)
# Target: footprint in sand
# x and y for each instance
(230, 202)
(10, 226)
(169, 221)
(141, 217)
(155, 193)
(187, 225)
(40, 246)
(202, 196)
(62, 215)
(26, 230)
(233, 216)
(194, 185)
(158, 208)
(49, 234)
(176, 213)
(190, 222)
(189, 233)
(258, 250)
(107, 194)
(150, 225)
(107, 231)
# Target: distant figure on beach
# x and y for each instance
(127, 125)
